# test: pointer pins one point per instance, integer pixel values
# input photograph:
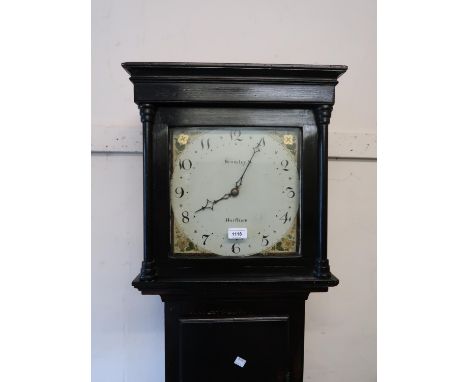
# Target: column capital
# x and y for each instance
(323, 114)
(147, 112)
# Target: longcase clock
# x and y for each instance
(235, 212)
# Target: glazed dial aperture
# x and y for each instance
(234, 178)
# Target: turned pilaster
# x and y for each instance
(322, 118)
(148, 266)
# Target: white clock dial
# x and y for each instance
(228, 178)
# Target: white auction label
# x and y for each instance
(237, 233)
(240, 361)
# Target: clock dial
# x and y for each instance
(225, 178)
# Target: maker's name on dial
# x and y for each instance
(235, 161)
(236, 220)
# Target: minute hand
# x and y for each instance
(209, 204)
(256, 149)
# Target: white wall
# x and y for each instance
(128, 337)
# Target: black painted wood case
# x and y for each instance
(238, 318)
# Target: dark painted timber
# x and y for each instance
(218, 309)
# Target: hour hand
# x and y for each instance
(209, 204)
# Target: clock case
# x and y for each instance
(169, 263)
(228, 297)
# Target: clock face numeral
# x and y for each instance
(179, 191)
(205, 144)
(285, 164)
(234, 178)
(236, 135)
(235, 248)
(285, 218)
(205, 238)
(290, 192)
(185, 164)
